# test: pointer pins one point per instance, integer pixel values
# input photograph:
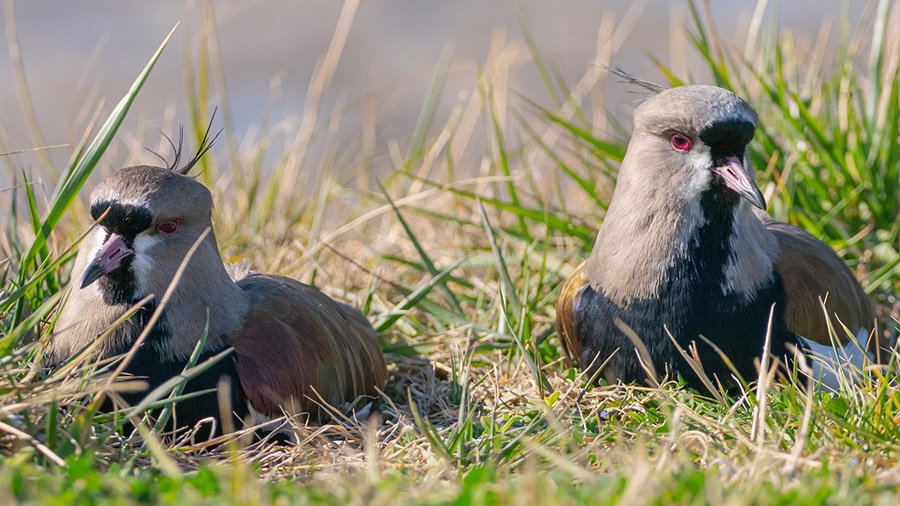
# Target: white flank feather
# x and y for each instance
(831, 363)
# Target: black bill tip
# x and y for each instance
(93, 272)
(756, 198)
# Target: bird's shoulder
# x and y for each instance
(566, 315)
(265, 289)
(810, 270)
(297, 344)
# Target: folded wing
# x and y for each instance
(298, 347)
(811, 270)
(566, 321)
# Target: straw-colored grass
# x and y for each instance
(454, 240)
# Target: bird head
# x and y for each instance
(149, 217)
(691, 139)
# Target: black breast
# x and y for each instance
(149, 366)
(154, 367)
(691, 303)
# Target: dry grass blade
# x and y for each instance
(33, 150)
(148, 328)
(41, 447)
(694, 363)
(25, 100)
(504, 188)
(321, 78)
(790, 466)
(758, 432)
(641, 350)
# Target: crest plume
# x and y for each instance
(206, 143)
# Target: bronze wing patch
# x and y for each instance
(566, 320)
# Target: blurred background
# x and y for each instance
(76, 57)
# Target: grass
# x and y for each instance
(457, 258)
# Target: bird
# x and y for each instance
(686, 257)
(293, 347)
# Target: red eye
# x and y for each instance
(168, 227)
(680, 142)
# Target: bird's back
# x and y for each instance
(298, 348)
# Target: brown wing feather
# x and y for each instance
(298, 345)
(810, 270)
(566, 323)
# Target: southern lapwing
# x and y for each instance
(293, 347)
(686, 255)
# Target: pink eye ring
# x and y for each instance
(168, 227)
(680, 142)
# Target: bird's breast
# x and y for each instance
(123, 337)
(215, 391)
(729, 324)
(691, 300)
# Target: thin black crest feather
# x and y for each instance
(205, 145)
(154, 153)
(630, 78)
(176, 150)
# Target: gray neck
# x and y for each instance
(204, 295)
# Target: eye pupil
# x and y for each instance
(680, 142)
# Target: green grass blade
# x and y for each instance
(432, 98)
(172, 383)
(426, 260)
(413, 298)
(9, 341)
(192, 361)
(77, 175)
(502, 269)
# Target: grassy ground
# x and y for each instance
(454, 240)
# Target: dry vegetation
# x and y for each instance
(454, 240)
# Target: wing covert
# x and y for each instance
(566, 319)
(297, 345)
(810, 270)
